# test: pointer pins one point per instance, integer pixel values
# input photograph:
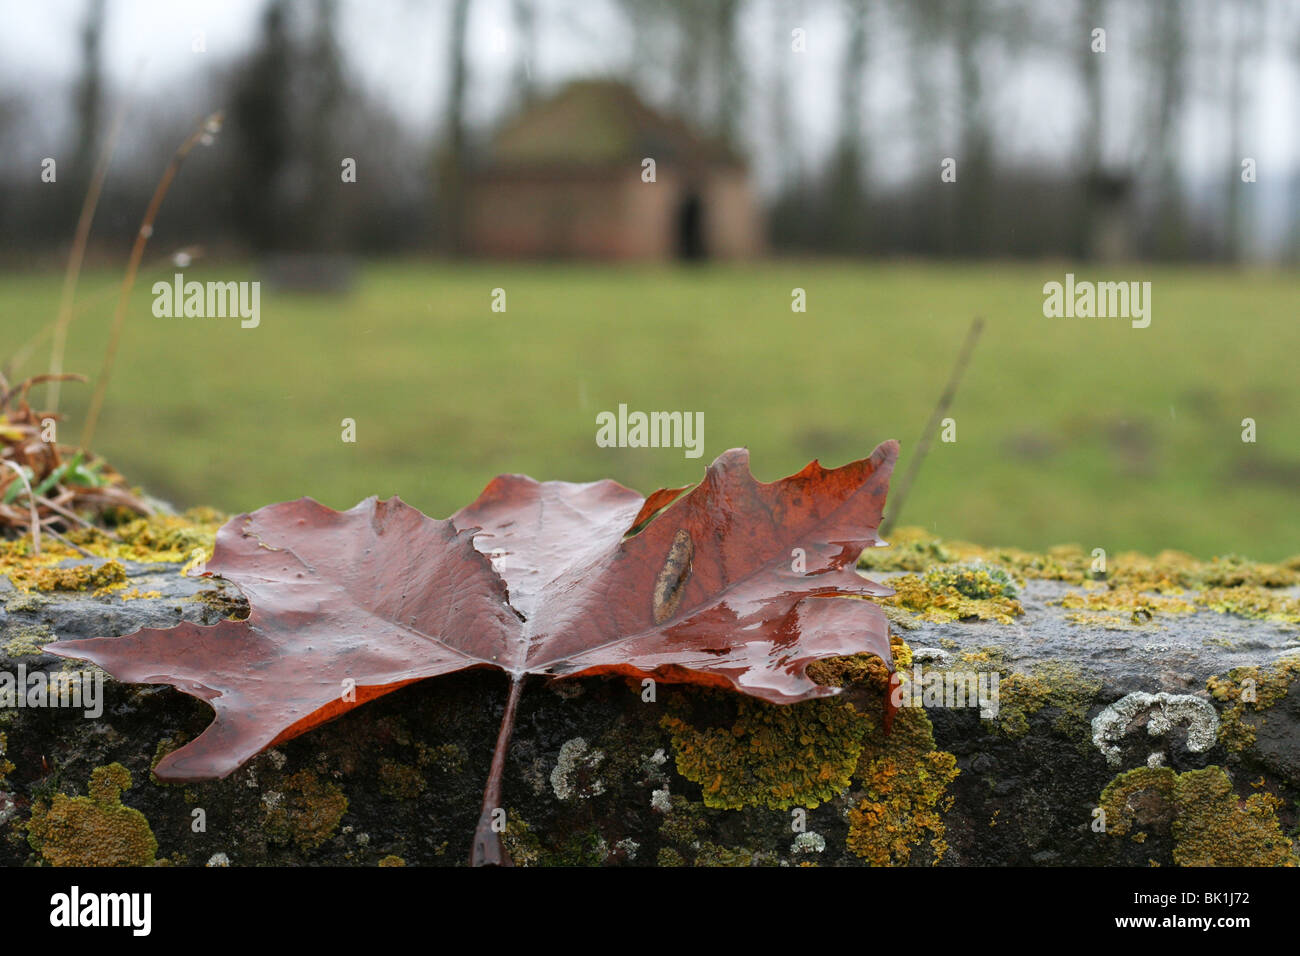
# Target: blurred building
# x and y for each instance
(564, 178)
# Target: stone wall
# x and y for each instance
(1150, 714)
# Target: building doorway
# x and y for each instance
(690, 228)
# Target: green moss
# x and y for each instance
(1049, 684)
(306, 812)
(584, 848)
(1247, 691)
(27, 641)
(684, 823)
(904, 782)
(711, 854)
(93, 831)
(1170, 572)
(910, 550)
(1019, 696)
(1209, 823)
(770, 755)
(6, 766)
(447, 758)
(937, 597)
(399, 781)
(917, 550)
(519, 840)
(26, 602)
(976, 580)
(670, 857)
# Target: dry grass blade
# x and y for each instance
(58, 480)
(88, 206)
(936, 417)
(204, 131)
(24, 352)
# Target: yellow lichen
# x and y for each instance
(28, 641)
(1136, 607)
(863, 669)
(93, 831)
(391, 860)
(399, 781)
(777, 756)
(1059, 685)
(1252, 602)
(1209, 823)
(6, 766)
(904, 779)
(1247, 691)
(520, 842)
(165, 537)
(79, 577)
(307, 811)
(1170, 572)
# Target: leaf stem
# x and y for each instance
(488, 849)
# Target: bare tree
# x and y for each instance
(728, 76)
(325, 91)
(847, 194)
(1168, 33)
(454, 152)
(525, 17)
(1242, 30)
(261, 121)
(89, 99)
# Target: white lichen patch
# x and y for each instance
(931, 655)
(661, 801)
(1163, 711)
(653, 766)
(628, 846)
(218, 859)
(574, 776)
(808, 842)
(8, 808)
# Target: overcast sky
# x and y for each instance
(396, 48)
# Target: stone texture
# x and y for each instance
(592, 774)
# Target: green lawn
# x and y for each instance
(1083, 430)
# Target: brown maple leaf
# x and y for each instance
(735, 584)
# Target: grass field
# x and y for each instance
(1082, 430)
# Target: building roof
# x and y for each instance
(599, 123)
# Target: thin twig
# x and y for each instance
(73, 516)
(205, 129)
(66, 543)
(927, 437)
